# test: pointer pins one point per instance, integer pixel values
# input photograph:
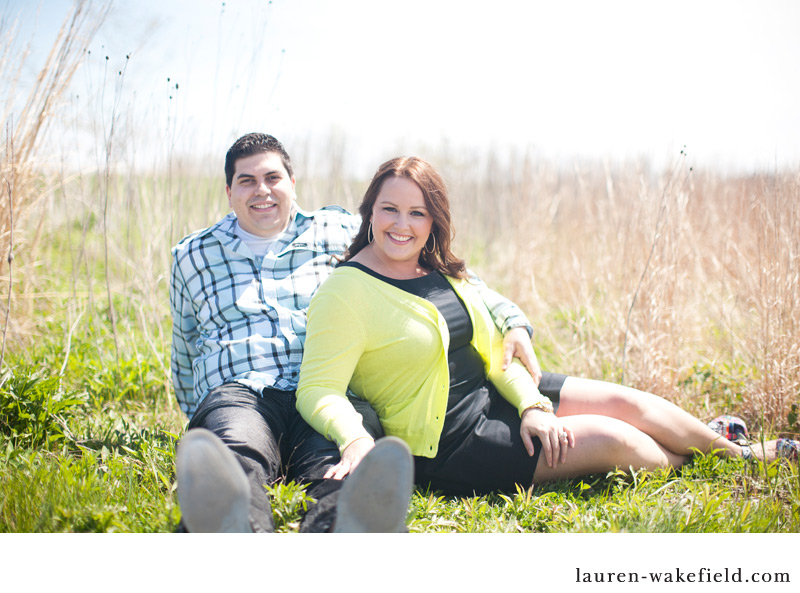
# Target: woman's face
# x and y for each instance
(401, 222)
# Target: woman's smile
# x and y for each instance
(400, 238)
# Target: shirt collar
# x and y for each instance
(224, 230)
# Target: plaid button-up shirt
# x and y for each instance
(238, 319)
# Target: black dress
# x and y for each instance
(480, 448)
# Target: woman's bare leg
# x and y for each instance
(602, 444)
(673, 428)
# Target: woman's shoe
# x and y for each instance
(788, 449)
(732, 428)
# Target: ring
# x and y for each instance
(563, 436)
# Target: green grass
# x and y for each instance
(708, 496)
(90, 491)
(93, 451)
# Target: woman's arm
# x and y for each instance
(518, 387)
(512, 323)
(335, 341)
(513, 381)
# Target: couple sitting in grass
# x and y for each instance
(399, 339)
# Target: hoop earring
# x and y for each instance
(434, 244)
(369, 232)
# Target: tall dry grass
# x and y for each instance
(682, 282)
(27, 114)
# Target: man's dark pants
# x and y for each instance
(271, 440)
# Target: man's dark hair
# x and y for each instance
(254, 143)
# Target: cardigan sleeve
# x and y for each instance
(515, 384)
(335, 341)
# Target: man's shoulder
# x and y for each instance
(199, 237)
(330, 228)
(331, 213)
(189, 239)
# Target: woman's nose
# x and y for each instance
(401, 222)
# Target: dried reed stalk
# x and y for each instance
(38, 110)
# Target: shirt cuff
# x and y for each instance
(518, 323)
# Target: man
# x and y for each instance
(239, 294)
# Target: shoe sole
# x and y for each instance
(213, 491)
(375, 498)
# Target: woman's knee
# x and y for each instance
(615, 437)
(622, 445)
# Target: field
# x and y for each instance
(681, 282)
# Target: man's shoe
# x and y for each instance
(213, 491)
(375, 497)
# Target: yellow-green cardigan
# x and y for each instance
(390, 348)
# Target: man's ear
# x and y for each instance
(228, 193)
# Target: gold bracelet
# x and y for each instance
(543, 404)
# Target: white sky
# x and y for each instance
(571, 78)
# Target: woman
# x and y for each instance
(400, 324)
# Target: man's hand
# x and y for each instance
(351, 457)
(517, 344)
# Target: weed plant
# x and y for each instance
(679, 282)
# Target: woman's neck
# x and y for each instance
(398, 270)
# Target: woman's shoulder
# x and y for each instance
(460, 284)
(467, 290)
(345, 280)
(350, 272)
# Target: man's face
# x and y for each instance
(262, 194)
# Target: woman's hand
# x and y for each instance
(556, 438)
(351, 457)
(517, 343)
